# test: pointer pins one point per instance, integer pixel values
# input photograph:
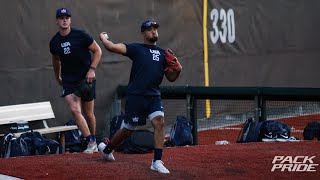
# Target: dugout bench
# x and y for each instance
(33, 112)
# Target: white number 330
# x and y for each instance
(227, 26)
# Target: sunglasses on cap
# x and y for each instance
(149, 24)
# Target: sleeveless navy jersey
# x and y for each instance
(74, 54)
(147, 69)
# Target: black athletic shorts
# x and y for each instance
(85, 90)
(139, 108)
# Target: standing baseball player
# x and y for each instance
(143, 100)
(74, 69)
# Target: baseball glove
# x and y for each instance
(172, 61)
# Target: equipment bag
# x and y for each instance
(139, 142)
(29, 143)
(115, 124)
(14, 147)
(40, 145)
(311, 131)
(250, 131)
(275, 130)
(73, 139)
(263, 131)
(181, 132)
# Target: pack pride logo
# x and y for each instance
(294, 163)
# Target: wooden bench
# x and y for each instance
(33, 112)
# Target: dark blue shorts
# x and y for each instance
(139, 108)
(86, 91)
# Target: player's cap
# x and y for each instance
(63, 12)
(147, 24)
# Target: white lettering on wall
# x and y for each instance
(223, 26)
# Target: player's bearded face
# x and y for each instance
(152, 35)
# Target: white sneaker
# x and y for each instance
(269, 137)
(91, 148)
(158, 165)
(108, 157)
(282, 137)
(293, 139)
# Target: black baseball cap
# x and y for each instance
(147, 24)
(63, 12)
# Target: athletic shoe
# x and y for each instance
(293, 139)
(269, 137)
(91, 148)
(282, 137)
(108, 157)
(158, 165)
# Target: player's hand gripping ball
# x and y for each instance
(172, 61)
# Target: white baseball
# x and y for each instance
(106, 35)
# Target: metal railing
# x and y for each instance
(260, 95)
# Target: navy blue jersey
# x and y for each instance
(74, 54)
(147, 68)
